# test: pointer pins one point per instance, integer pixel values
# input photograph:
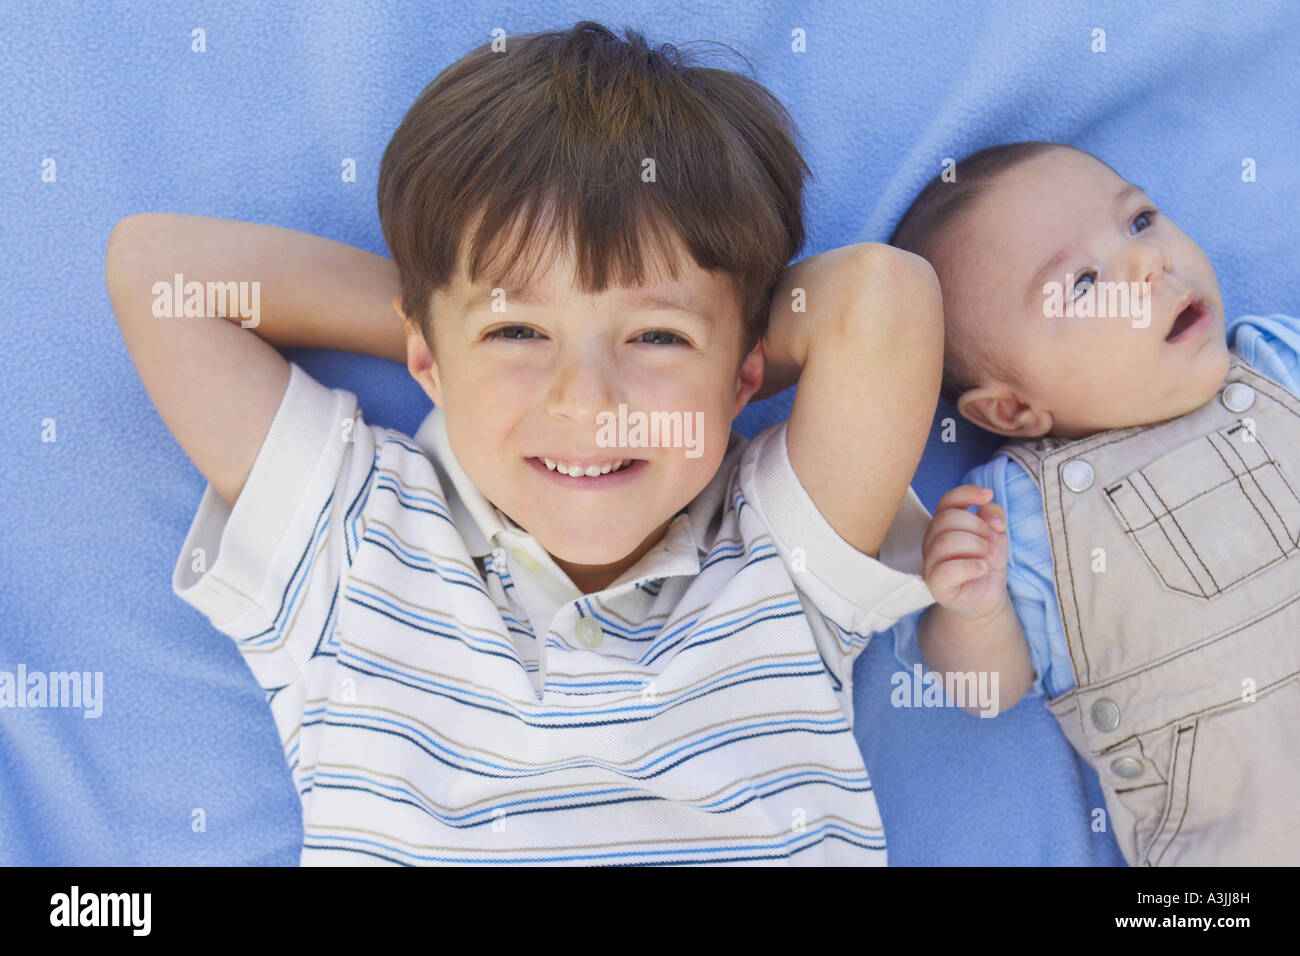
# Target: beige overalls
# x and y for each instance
(1178, 581)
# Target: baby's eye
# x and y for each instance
(1084, 283)
(497, 333)
(671, 335)
(1142, 220)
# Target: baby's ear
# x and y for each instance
(999, 409)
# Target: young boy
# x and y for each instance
(503, 643)
(1150, 582)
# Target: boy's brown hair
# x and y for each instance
(550, 136)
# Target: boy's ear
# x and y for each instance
(999, 408)
(749, 377)
(420, 360)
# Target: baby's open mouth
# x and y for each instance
(1192, 316)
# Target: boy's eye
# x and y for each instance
(1084, 283)
(1142, 220)
(509, 332)
(497, 333)
(671, 335)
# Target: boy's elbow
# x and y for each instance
(124, 254)
(898, 295)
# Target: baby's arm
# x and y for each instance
(973, 625)
(217, 385)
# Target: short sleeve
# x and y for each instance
(268, 572)
(856, 594)
(1270, 344)
(1030, 578)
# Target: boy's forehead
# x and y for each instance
(694, 290)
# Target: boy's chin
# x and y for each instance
(581, 552)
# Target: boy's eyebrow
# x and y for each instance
(1040, 277)
(632, 298)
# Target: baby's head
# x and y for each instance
(1042, 251)
(583, 222)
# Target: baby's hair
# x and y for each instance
(552, 137)
(936, 209)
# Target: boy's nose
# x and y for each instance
(583, 386)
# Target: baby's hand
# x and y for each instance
(965, 555)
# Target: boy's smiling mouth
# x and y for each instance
(590, 473)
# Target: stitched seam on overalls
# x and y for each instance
(1212, 708)
(1190, 546)
(1035, 465)
(1201, 494)
(1209, 711)
(1129, 530)
(1074, 593)
(1187, 797)
(1263, 494)
(1120, 678)
(1281, 474)
(1145, 786)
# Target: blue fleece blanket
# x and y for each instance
(111, 111)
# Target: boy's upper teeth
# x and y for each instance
(590, 471)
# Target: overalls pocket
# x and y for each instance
(1210, 514)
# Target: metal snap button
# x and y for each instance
(588, 632)
(525, 559)
(1238, 397)
(1127, 767)
(1047, 444)
(1077, 475)
(1105, 714)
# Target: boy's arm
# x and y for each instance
(868, 354)
(216, 385)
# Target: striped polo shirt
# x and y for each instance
(446, 695)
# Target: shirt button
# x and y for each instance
(1238, 397)
(588, 632)
(1077, 475)
(1127, 767)
(1105, 714)
(525, 559)
(1047, 444)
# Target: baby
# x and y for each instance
(1133, 555)
(534, 633)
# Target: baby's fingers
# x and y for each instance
(956, 544)
(999, 541)
(963, 496)
(995, 515)
(946, 580)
